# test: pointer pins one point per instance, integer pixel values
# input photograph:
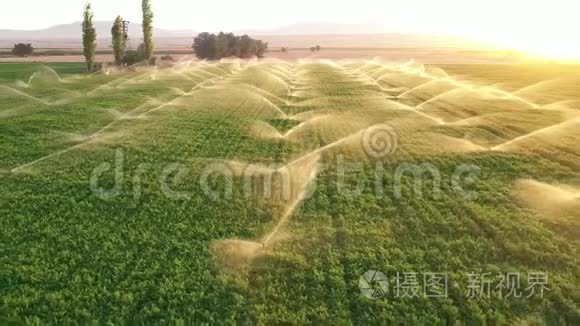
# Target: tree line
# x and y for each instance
(119, 37)
(22, 49)
(206, 45)
(223, 45)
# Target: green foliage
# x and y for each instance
(119, 42)
(147, 29)
(9, 72)
(89, 37)
(261, 48)
(215, 47)
(22, 49)
(132, 57)
(222, 45)
(204, 46)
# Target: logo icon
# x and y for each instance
(373, 285)
(380, 140)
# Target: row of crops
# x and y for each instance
(109, 214)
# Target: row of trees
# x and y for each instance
(205, 45)
(223, 45)
(315, 48)
(119, 37)
(22, 49)
(312, 49)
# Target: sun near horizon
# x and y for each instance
(542, 28)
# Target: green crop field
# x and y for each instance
(271, 192)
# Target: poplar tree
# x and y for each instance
(89, 37)
(147, 29)
(118, 41)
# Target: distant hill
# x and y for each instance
(73, 31)
(303, 35)
(321, 29)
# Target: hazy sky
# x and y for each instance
(525, 23)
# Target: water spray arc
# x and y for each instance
(107, 127)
